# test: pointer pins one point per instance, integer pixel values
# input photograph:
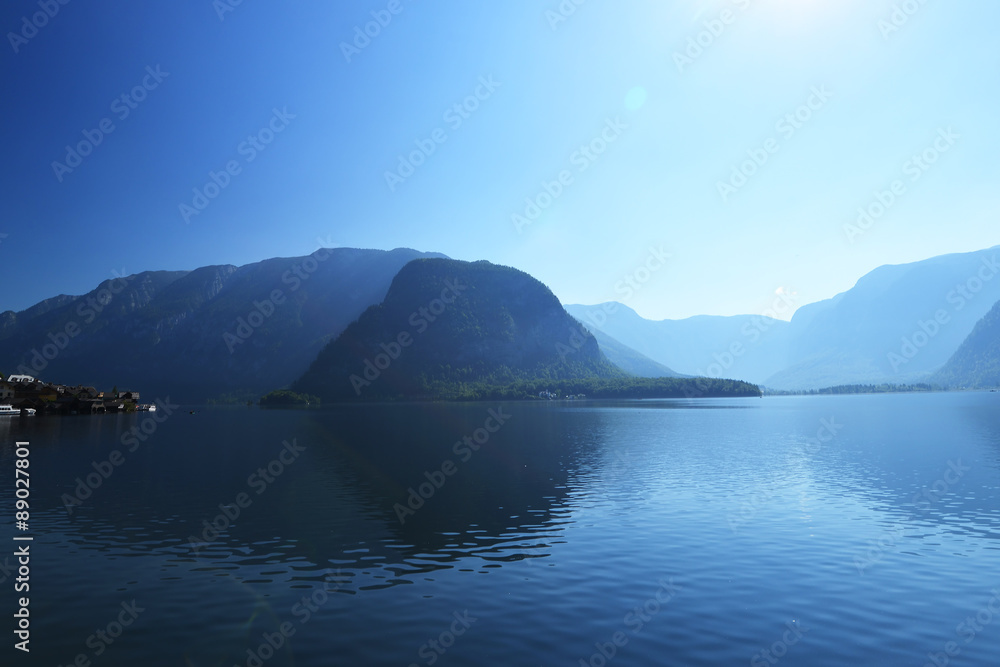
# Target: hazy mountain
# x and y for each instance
(897, 324)
(203, 333)
(446, 322)
(976, 364)
(747, 347)
(629, 360)
(226, 329)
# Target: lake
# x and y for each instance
(827, 530)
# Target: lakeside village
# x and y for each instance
(26, 396)
(547, 395)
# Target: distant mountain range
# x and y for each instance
(237, 332)
(698, 346)
(200, 334)
(898, 324)
(629, 360)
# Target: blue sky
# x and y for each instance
(663, 134)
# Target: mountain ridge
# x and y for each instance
(976, 363)
(898, 324)
(448, 323)
(180, 332)
(223, 329)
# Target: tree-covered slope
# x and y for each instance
(445, 324)
(201, 334)
(976, 364)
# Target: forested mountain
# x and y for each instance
(236, 332)
(445, 323)
(200, 334)
(976, 364)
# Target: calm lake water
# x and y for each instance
(833, 530)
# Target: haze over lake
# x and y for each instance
(824, 530)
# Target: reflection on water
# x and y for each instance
(367, 499)
(365, 527)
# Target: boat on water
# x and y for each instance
(12, 411)
(146, 407)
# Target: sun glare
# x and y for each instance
(781, 13)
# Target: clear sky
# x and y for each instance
(663, 133)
